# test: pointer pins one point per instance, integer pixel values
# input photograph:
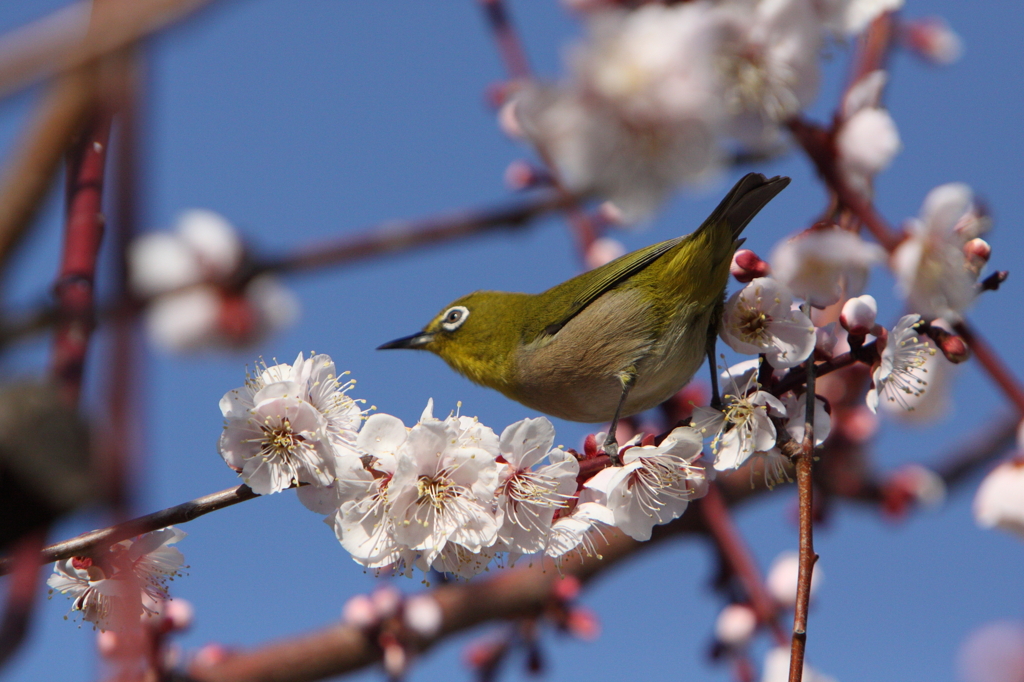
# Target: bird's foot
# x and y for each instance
(611, 448)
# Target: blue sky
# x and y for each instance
(303, 121)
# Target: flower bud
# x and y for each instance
(395, 661)
(521, 175)
(858, 316)
(747, 266)
(955, 349)
(386, 600)
(509, 122)
(566, 589)
(179, 614)
(423, 615)
(933, 40)
(583, 623)
(360, 612)
(604, 250)
(977, 251)
(736, 625)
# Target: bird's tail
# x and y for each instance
(743, 202)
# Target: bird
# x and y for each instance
(609, 343)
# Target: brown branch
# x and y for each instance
(80, 33)
(397, 235)
(83, 235)
(506, 37)
(805, 486)
(993, 364)
(87, 543)
(57, 119)
(718, 520)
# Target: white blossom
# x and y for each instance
(759, 319)
(574, 533)
(654, 483)
(994, 652)
(931, 271)
(899, 376)
(443, 489)
(125, 583)
(999, 502)
(741, 428)
(288, 424)
(821, 266)
(530, 494)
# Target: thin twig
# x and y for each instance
(399, 235)
(80, 33)
(734, 550)
(87, 543)
(993, 364)
(805, 485)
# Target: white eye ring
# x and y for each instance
(454, 317)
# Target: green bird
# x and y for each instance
(609, 343)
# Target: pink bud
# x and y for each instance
(566, 589)
(423, 615)
(955, 349)
(977, 251)
(211, 654)
(395, 661)
(747, 266)
(611, 214)
(386, 600)
(509, 122)
(179, 614)
(736, 625)
(108, 643)
(604, 250)
(583, 623)
(933, 40)
(858, 316)
(925, 486)
(360, 612)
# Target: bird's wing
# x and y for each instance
(607, 277)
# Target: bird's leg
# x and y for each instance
(611, 447)
(712, 340)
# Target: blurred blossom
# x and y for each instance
(654, 484)
(931, 269)
(933, 39)
(187, 275)
(736, 625)
(999, 502)
(783, 577)
(899, 376)
(128, 582)
(423, 615)
(288, 424)
(821, 266)
(759, 319)
(604, 250)
(993, 653)
(850, 17)
(867, 140)
(359, 612)
(768, 63)
(925, 486)
(776, 668)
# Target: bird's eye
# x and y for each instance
(454, 317)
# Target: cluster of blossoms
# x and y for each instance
(658, 95)
(124, 584)
(447, 494)
(189, 276)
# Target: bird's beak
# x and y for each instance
(417, 340)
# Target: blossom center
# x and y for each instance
(279, 441)
(753, 325)
(437, 492)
